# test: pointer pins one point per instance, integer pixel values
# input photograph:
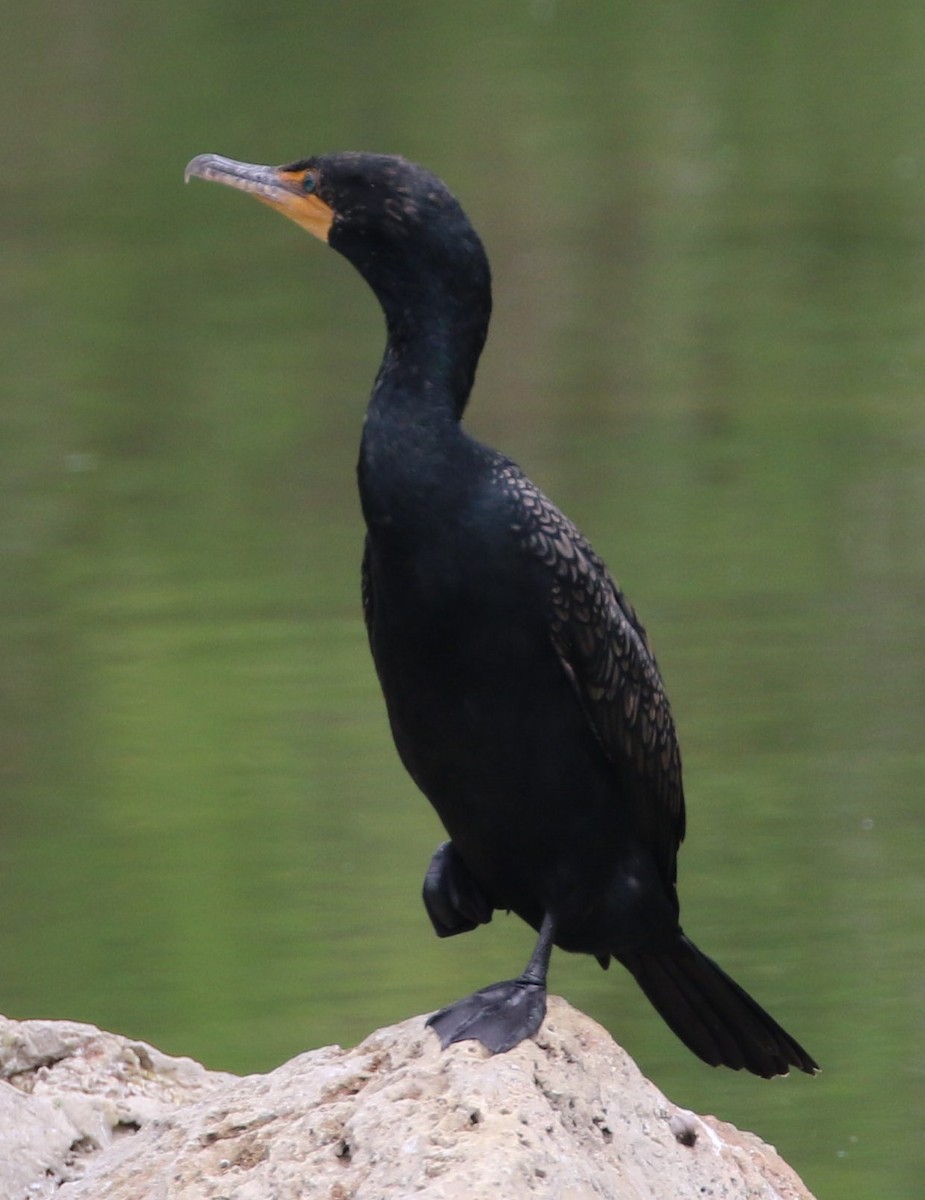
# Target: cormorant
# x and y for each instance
(522, 692)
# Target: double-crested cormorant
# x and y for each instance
(522, 692)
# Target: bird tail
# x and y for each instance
(712, 1015)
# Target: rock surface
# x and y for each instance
(566, 1116)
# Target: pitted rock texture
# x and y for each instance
(565, 1116)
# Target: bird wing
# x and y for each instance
(605, 654)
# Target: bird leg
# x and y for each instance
(501, 1015)
(454, 901)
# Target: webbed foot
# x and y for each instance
(454, 901)
(499, 1016)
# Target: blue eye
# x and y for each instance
(308, 183)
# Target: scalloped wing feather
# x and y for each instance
(605, 653)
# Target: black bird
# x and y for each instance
(521, 689)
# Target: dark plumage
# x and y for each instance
(522, 692)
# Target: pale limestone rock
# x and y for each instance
(68, 1091)
(566, 1116)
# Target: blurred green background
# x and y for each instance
(707, 226)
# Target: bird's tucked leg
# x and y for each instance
(454, 901)
(501, 1015)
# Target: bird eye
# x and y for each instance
(308, 182)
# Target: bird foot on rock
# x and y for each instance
(499, 1016)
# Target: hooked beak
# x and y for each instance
(282, 189)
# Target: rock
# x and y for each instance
(68, 1092)
(567, 1115)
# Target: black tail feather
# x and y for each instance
(712, 1015)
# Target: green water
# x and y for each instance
(707, 227)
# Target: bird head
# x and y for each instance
(397, 223)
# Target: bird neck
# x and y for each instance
(434, 341)
(413, 443)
